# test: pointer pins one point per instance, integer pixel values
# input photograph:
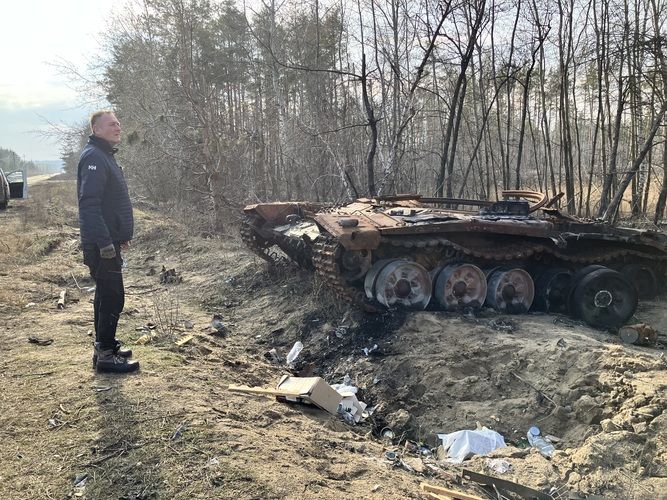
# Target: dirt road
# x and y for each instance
(174, 431)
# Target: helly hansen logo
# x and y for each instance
(92, 167)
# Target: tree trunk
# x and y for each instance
(612, 210)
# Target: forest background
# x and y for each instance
(224, 104)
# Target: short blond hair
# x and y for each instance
(96, 115)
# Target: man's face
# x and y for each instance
(107, 127)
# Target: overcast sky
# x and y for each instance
(33, 34)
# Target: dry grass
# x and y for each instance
(61, 420)
(166, 311)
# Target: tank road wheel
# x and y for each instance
(604, 299)
(551, 290)
(403, 283)
(459, 285)
(576, 279)
(643, 278)
(372, 276)
(510, 290)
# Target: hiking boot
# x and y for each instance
(118, 351)
(110, 362)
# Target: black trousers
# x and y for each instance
(109, 293)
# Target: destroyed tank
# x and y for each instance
(514, 255)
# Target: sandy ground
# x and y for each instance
(174, 431)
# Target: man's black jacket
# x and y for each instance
(105, 210)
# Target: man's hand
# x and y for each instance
(125, 246)
(108, 252)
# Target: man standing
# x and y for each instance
(107, 225)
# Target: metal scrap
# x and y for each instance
(502, 485)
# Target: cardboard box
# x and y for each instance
(313, 390)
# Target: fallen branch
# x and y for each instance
(541, 393)
(75, 281)
(105, 458)
(40, 374)
(142, 291)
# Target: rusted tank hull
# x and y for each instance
(408, 244)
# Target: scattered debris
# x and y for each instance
(62, 299)
(460, 445)
(30, 304)
(413, 464)
(102, 388)
(502, 486)
(503, 325)
(498, 465)
(294, 352)
(38, 341)
(561, 343)
(273, 356)
(80, 480)
(147, 327)
(387, 434)
(640, 334)
(310, 390)
(439, 493)
(144, 339)
(351, 408)
(184, 340)
(537, 441)
(183, 426)
(346, 386)
(169, 276)
(552, 439)
(368, 350)
(217, 327)
(340, 331)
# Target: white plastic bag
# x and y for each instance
(460, 445)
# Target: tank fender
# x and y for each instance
(276, 213)
(360, 236)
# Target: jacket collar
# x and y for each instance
(102, 144)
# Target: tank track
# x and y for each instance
(325, 259)
(525, 251)
(253, 241)
(296, 249)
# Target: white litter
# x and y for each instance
(460, 445)
(294, 353)
(351, 409)
(498, 465)
(346, 387)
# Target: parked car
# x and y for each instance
(12, 185)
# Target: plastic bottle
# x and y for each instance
(294, 353)
(537, 441)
